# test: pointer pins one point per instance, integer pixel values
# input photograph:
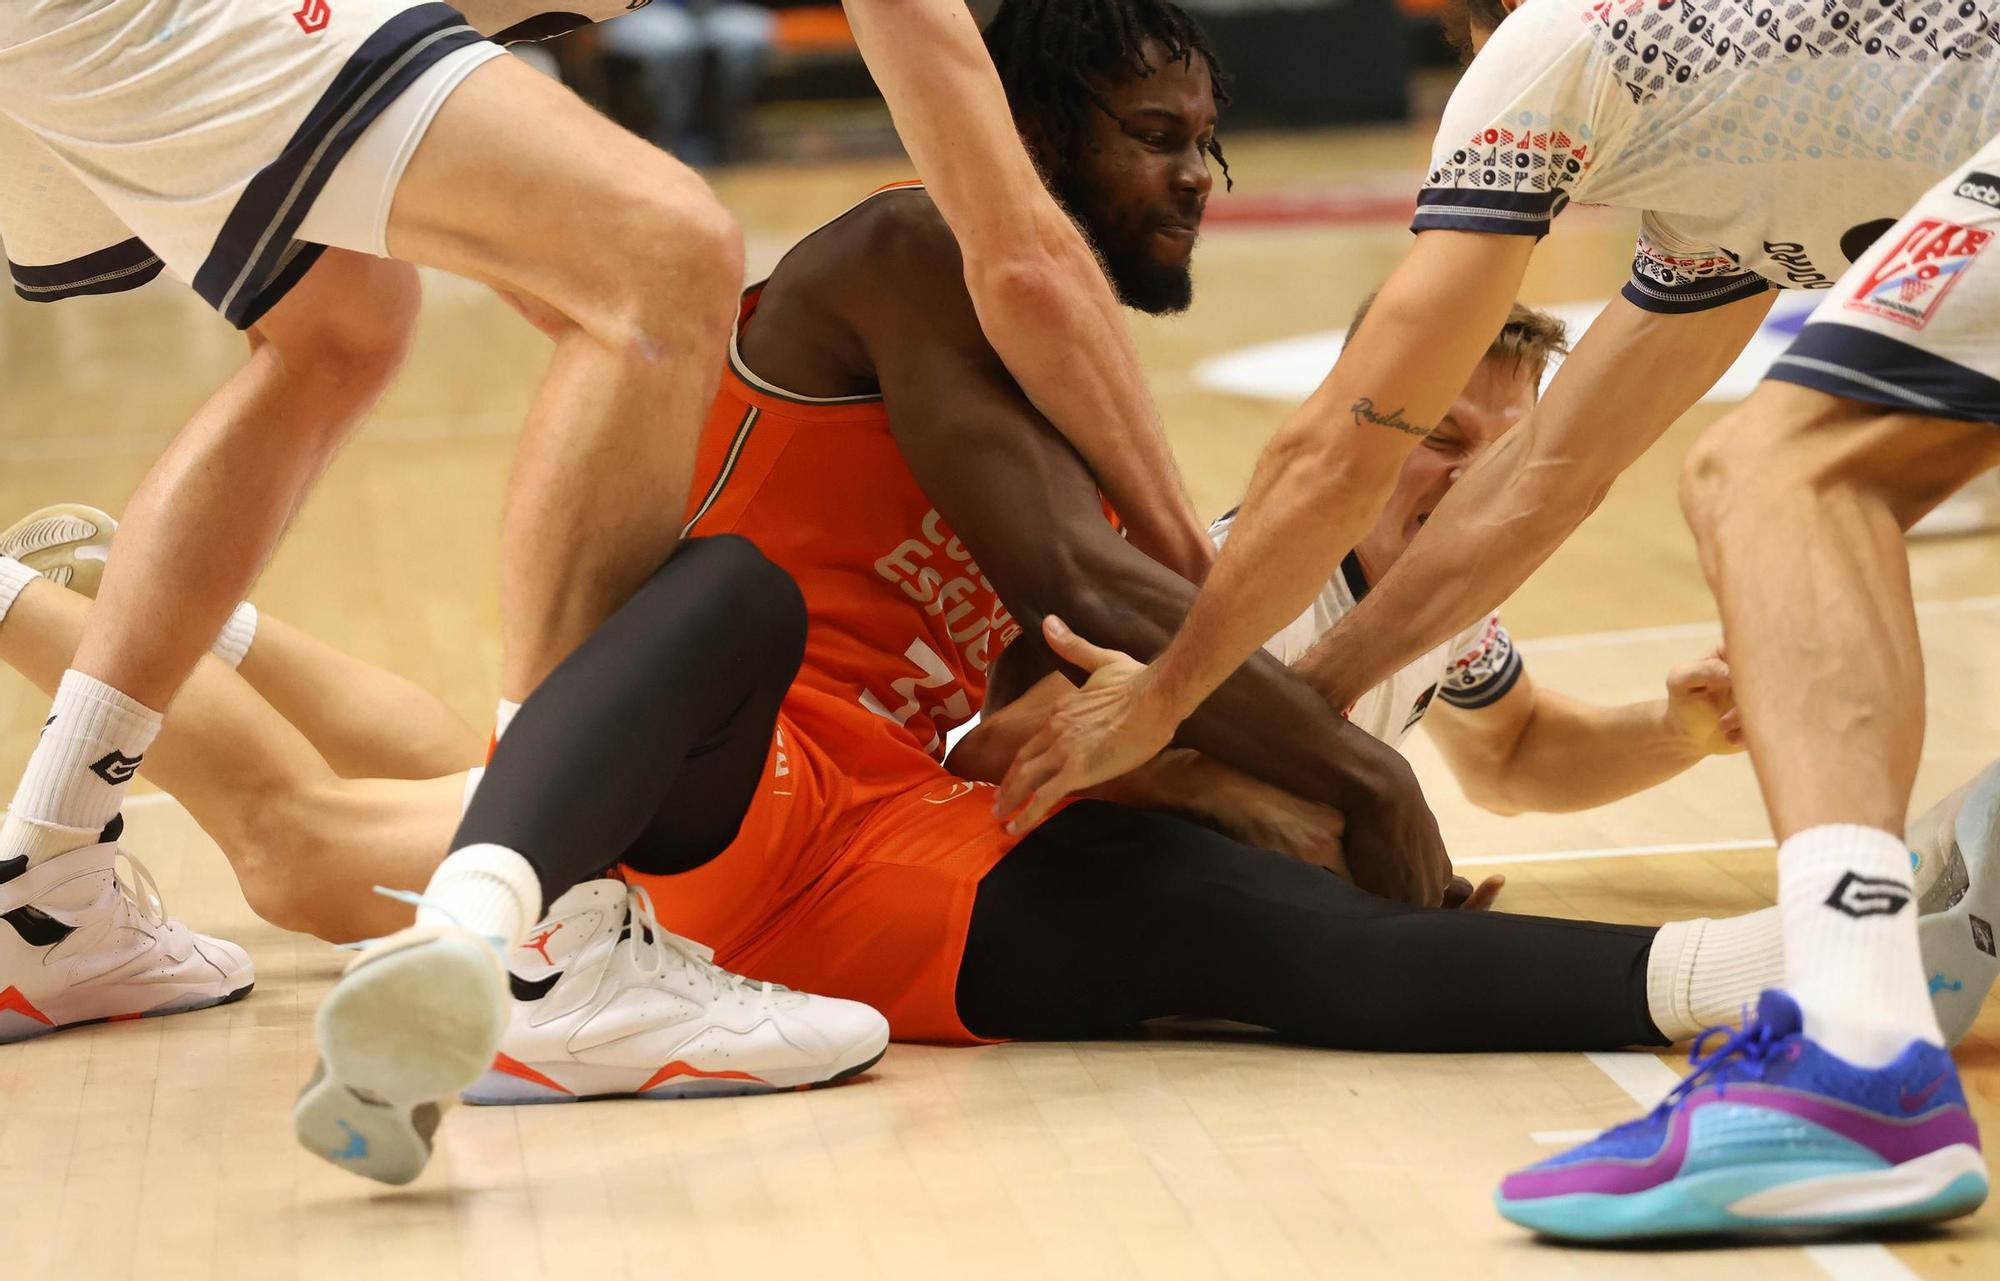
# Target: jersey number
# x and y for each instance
(932, 675)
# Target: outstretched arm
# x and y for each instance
(1535, 749)
(1632, 374)
(1028, 508)
(1040, 295)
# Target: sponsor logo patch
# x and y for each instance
(1913, 277)
(1981, 187)
(1859, 896)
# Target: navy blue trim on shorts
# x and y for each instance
(1490, 689)
(254, 260)
(1860, 364)
(125, 265)
(1501, 210)
(1703, 294)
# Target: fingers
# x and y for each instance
(1457, 892)
(1032, 766)
(1074, 649)
(1704, 677)
(1731, 726)
(1483, 898)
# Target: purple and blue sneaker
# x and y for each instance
(1770, 1133)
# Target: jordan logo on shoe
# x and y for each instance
(1913, 1102)
(116, 768)
(357, 1145)
(541, 942)
(1982, 934)
(1860, 896)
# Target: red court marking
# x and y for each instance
(11, 999)
(126, 1018)
(678, 1068)
(514, 1067)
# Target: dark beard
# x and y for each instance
(1138, 279)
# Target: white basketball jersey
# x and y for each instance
(1768, 142)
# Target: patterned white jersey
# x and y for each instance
(1476, 668)
(1767, 142)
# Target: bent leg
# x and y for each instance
(1106, 916)
(596, 226)
(647, 744)
(307, 847)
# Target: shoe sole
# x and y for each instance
(64, 525)
(21, 1028)
(1768, 1200)
(512, 1087)
(404, 1031)
(1959, 943)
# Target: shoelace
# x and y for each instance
(1745, 1054)
(644, 924)
(142, 892)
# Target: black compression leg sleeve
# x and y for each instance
(647, 744)
(1105, 916)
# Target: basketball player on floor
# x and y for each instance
(276, 157)
(863, 867)
(1767, 148)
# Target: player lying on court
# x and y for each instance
(1764, 146)
(797, 814)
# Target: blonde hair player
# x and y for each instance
(1766, 147)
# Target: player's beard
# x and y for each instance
(1140, 280)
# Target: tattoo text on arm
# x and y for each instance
(1364, 412)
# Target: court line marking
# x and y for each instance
(1625, 851)
(1697, 631)
(1647, 1080)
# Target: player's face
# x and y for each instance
(1139, 180)
(1499, 394)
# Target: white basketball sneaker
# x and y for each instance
(415, 1019)
(78, 944)
(609, 1005)
(1961, 911)
(66, 544)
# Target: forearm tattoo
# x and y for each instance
(1364, 412)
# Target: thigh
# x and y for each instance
(212, 141)
(1914, 325)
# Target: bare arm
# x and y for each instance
(1536, 749)
(1632, 374)
(1039, 293)
(1025, 504)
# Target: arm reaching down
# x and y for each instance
(1030, 512)
(1632, 374)
(1038, 291)
(1535, 749)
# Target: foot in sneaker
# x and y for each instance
(1770, 1134)
(415, 1019)
(66, 544)
(1962, 911)
(79, 945)
(609, 1005)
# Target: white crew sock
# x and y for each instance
(487, 889)
(77, 777)
(1702, 974)
(13, 577)
(237, 633)
(1852, 960)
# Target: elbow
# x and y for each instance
(1494, 798)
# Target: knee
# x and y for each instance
(676, 254)
(347, 326)
(279, 860)
(761, 591)
(1712, 476)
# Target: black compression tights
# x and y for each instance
(1106, 916)
(647, 744)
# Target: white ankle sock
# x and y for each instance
(1852, 960)
(503, 716)
(77, 777)
(488, 889)
(14, 576)
(237, 633)
(1703, 973)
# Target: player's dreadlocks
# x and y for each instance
(1461, 16)
(1053, 56)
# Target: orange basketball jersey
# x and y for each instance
(902, 626)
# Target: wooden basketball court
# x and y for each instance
(162, 1149)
